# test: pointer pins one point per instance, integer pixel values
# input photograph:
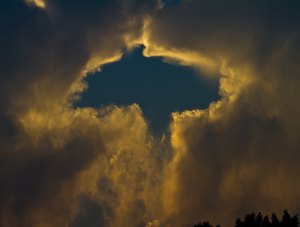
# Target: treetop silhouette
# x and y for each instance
(258, 220)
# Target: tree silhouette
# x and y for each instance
(204, 224)
(275, 222)
(288, 221)
(253, 220)
(266, 222)
(258, 220)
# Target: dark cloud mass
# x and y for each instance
(66, 166)
(48, 149)
(237, 154)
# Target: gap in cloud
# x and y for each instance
(159, 88)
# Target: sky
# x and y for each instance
(158, 87)
(148, 113)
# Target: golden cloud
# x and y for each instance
(59, 163)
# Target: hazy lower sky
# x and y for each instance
(148, 113)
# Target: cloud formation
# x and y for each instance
(62, 166)
(240, 154)
(52, 155)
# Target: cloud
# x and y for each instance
(53, 155)
(62, 166)
(38, 3)
(76, 154)
(231, 158)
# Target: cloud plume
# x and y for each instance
(234, 157)
(66, 166)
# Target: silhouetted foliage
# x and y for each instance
(258, 220)
(204, 224)
(266, 222)
(253, 220)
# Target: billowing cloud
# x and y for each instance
(66, 166)
(241, 153)
(54, 157)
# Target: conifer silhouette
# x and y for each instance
(258, 220)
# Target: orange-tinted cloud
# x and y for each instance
(62, 166)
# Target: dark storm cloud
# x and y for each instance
(91, 215)
(48, 149)
(232, 158)
(49, 48)
(244, 146)
(39, 179)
